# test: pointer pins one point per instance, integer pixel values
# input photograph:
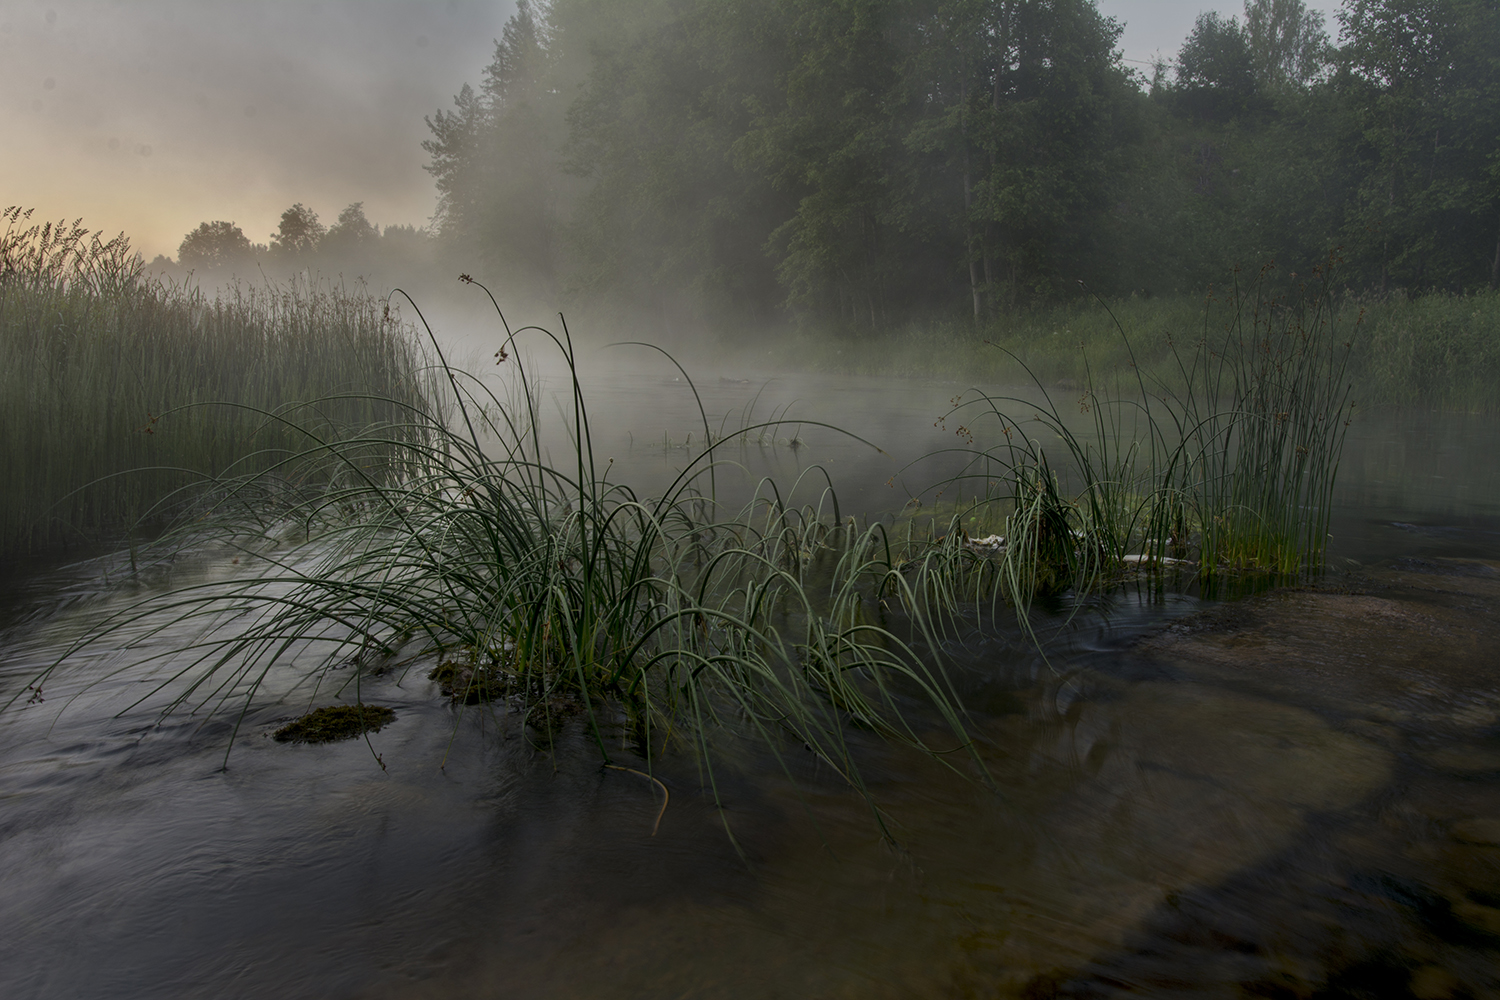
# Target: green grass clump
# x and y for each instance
(658, 621)
(673, 620)
(335, 722)
(117, 390)
(1224, 463)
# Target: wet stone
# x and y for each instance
(1463, 759)
(1391, 646)
(1477, 915)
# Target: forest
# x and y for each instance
(859, 165)
(864, 167)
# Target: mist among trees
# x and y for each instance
(857, 165)
(353, 246)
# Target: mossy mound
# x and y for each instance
(335, 722)
(470, 682)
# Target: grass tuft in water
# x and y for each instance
(652, 622)
(335, 722)
(1221, 466)
(551, 595)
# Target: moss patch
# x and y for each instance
(335, 722)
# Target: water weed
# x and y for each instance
(545, 591)
(551, 595)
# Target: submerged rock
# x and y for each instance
(1480, 830)
(1413, 646)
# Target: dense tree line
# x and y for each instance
(861, 162)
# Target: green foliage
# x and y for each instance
(858, 165)
(1421, 86)
(845, 160)
(1287, 43)
(1216, 69)
(653, 134)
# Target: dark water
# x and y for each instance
(1292, 794)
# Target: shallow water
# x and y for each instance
(1292, 793)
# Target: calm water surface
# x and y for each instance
(1291, 793)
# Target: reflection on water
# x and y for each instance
(1284, 795)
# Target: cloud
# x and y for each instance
(155, 115)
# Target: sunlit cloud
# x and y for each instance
(152, 117)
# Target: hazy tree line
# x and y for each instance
(858, 163)
(352, 245)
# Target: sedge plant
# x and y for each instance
(1222, 467)
(551, 590)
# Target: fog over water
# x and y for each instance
(939, 554)
(152, 117)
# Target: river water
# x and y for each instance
(1291, 793)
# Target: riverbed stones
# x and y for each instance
(1412, 647)
(1112, 805)
(1479, 830)
(1433, 982)
(1464, 758)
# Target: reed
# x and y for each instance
(552, 591)
(1436, 351)
(118, 391)
(1223, 464)
(1262, 421)
(548, 592)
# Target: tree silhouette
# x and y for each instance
(1288, 45)
(214, 245)
(298, 233)
(352, 230)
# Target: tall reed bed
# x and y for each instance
(117, 390)
(1439, 350)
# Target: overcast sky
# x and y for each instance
(151, 116)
